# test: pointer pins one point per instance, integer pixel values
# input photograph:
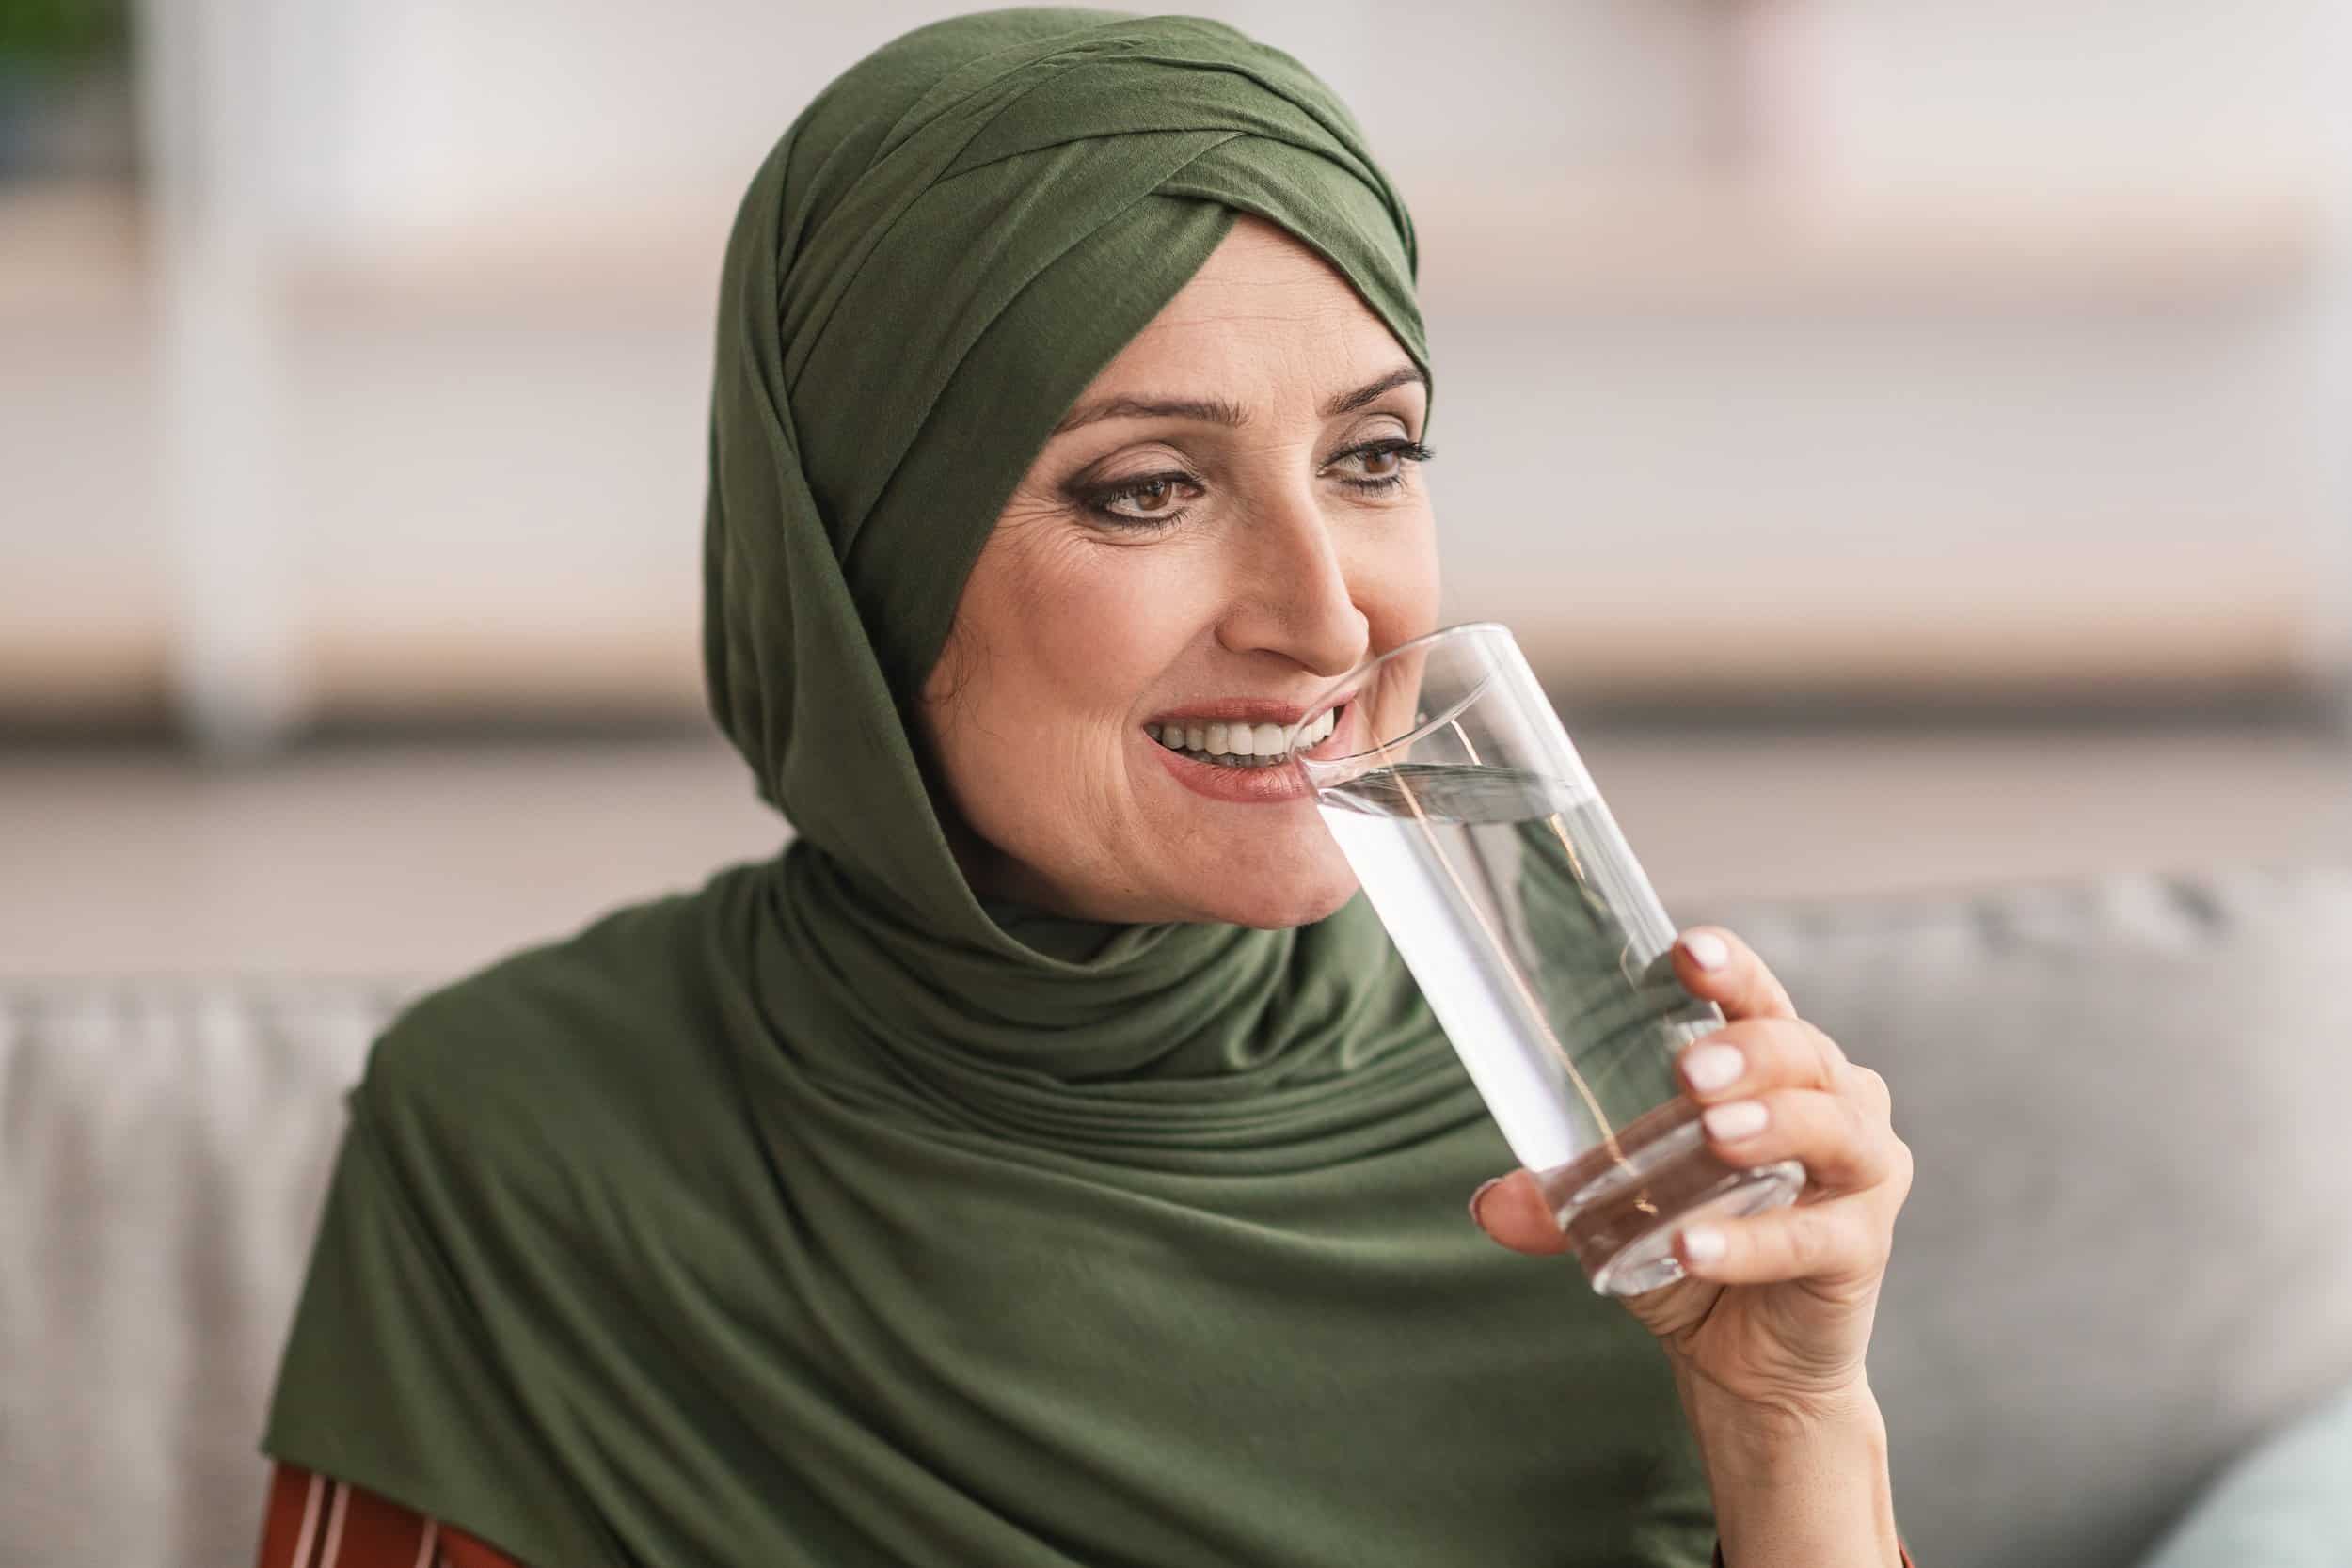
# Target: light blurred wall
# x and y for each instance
(1914, 348)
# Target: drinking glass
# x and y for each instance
(1479, 837)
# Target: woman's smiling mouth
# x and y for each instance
(1242, 755)
(1238, 743)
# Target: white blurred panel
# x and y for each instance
(1996, 341)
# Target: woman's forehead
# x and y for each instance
(1256, 265)
(1263, 308)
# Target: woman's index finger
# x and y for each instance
(1715, 965)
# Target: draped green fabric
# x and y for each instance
(830, 1215)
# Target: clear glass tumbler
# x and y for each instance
(1483, 843)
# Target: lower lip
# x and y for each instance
(1254, 786)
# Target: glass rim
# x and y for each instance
(1356, 679)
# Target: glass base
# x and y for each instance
(1621, 1204)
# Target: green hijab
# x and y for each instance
(827, 1216)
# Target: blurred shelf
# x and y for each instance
(657, 263)
(2056, 624)
(1498, 243)
(1502, 246)
(97, 676)
(85, 639)
(635, 666)
(1501, 242)
(2055, 620)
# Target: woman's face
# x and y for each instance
(1231, 517)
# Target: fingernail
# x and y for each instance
(1739, 1119)
(1706, 949)
(1713, 1066)
(1483, 1188)
(1701, 1243)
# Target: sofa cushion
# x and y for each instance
(2124, 1255)
(2286, 1505)
(164, 1152)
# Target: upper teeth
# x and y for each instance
(1241, 740)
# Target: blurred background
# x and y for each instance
(1909, 434)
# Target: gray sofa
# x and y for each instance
(2128, 1254)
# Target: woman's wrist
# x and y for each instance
(1797, 1483)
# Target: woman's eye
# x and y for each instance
(1380, 465)
(1155, 499)
(1150, 499)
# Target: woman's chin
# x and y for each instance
(1278, 907)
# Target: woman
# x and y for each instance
(1045, 1159)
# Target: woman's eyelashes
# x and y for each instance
(1383, 462)
(1162, 500)
(1144, 501)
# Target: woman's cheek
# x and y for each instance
(1406, 593)
(1123, 616)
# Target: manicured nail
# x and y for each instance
(1713, 1066)
(1706, 949)
(1735, 1120)
(1483, 1188)
(1701, 1243)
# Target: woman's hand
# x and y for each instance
(1775, 1315)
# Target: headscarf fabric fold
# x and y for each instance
(830, 1215)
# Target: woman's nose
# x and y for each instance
(1292, 596)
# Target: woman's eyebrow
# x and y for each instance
(1220, 411)
(1401, 376)
(1208, 410)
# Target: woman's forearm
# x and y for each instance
(1797, 1490)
